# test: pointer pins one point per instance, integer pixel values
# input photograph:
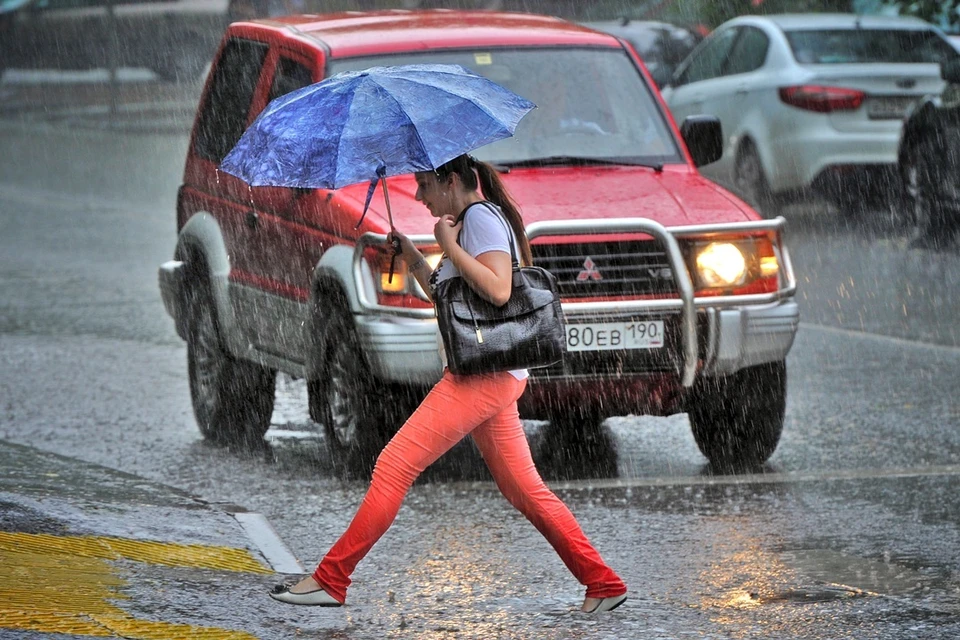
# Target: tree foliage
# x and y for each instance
(714, 12)
(945, 13)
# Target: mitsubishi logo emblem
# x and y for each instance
(590, 271)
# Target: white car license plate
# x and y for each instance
(888, 107)
(608, 336)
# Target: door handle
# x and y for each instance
(252, 219)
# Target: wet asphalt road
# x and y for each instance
(851, 532)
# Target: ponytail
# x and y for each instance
(491, 186)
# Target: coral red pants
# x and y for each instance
(486, 407)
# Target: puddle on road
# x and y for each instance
(752, 579)
(843, 572)
(823, 575)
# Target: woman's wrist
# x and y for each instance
(417, 264)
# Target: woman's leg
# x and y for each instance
(505, 449)
(453, 408)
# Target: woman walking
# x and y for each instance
(486, 221)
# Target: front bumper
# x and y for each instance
(403, 350)
(170, 276)
(739, 338)
(714, 335)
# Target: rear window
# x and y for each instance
(223, 116)
(841, 46)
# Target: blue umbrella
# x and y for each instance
(367, 125)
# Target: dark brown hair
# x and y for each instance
(469, 169)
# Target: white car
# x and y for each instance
(810, 102)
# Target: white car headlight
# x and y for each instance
(721, 264)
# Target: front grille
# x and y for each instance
(607, 269)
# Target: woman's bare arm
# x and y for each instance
(490, 274)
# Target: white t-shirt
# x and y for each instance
(482, 231)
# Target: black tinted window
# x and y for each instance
(290, 76)
(708, 61)
(749, 52)
(841, 46)
(224, 114)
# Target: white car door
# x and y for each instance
(731, 96)
(698, 79)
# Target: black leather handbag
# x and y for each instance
(525, 333)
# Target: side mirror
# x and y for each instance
(950, 70)
(704, 138)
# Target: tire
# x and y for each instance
(232, 399)
(931, 225)
(358, 414)
(575, 445)
(751, 182)
(737, 420)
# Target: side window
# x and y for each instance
(708, 62)
(749, 53)
(224, 114)
(289, 76)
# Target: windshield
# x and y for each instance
(591, 103)
(841, 46)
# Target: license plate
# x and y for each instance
(608, 336)
(888, 107)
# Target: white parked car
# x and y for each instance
(810, 102)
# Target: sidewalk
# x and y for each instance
(91, 552)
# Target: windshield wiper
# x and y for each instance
(579, 161)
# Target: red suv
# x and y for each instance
(677, 295)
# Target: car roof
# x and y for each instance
(796, 21)
(637, 24)
(354, 33)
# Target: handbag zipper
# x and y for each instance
(475, 325)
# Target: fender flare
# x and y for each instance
(745, 139)
(201, 237)
(334, 272)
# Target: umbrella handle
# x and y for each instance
(395, 242)
(386, 199)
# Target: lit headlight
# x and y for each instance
(401, 282)
(721, 264)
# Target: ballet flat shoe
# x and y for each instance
(315, 598)
(609, 604)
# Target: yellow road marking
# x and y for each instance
(66, 584)
(196, 556)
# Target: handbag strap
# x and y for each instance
(463, 214)
(496, 211)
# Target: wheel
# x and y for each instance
(232, 399)
(358, 415)
(921, 174)
(575, 445)
(737, 420)
(751, 182)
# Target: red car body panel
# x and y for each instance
(348, 34)
(677, 196)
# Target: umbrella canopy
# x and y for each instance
(365, 125)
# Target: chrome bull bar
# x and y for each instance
(686, 304)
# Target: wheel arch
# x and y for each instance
(203, 250)
(333, 287)
(749, 139)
